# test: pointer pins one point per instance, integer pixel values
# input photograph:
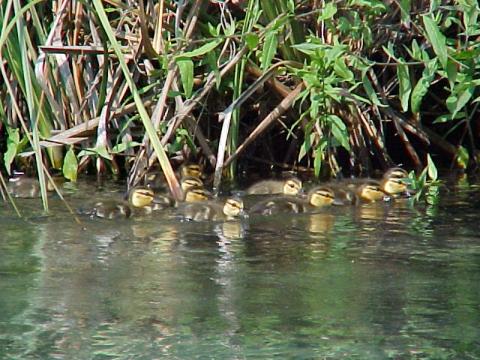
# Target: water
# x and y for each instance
(373, 282)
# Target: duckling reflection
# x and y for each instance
(318, 197)
(230, 209)
(231, 230)
(320, 223)
(290, 186)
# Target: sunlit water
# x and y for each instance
(369, 282)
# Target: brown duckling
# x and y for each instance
(230, 209)
(291, 186)
(197, 194)
(27, 187)
(317, 197)
(156, 180)
(393, 182)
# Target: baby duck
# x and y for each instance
(317, 197)
(140, 200)
(291, 186)
(27, 187)
(365, 191)
(156, 179)
(393, 182)
(231, 209)
(190, 182)
(197, 194)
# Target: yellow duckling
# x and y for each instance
(231, 209)
(364, 191)
(393, 182)
(156, 179)
(140, 201)
(190, 182)
(318, 197)
(291, 186)
(197, 194)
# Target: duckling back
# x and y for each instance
(290, 186)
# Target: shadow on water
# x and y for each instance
(374, 281)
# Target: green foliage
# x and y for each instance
(70, 165)
(426, 185)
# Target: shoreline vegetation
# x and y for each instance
(334, 89)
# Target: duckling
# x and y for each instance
(157, 181)
(26, 187)
(317, 197)
(393, 182)
(231, 209)
(291, 186)
(190, 182)
(140, 200)
(364, 191)
(110, 210)
(197, 194)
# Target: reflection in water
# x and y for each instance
(372, 281)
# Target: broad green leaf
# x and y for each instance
(185, 67)
(456, 102)
(405, 85)
(372, 95)
(372, 4)
(252, 40)
(70, 165)
(339, 131)
(12, 146)
(437, 39)
(451, 73)
(431, 169)
(119, 148)
(423, 84)
(405, 6)
(462, 157)
(307, 144)
(319, 155)
(269, 49)
(202, 50)
(342, 70)
(328, 12)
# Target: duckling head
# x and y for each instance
(233, 207)
(371, 191)
(191, 170)
(141, 197)
(292, 186)
(197, 194)
(190, 182)
(393, 181)
(322, 196)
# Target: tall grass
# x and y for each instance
(111, 87)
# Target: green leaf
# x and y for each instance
(13, 141)
(202, 50)
(319, 155)
(456, 102)
(269, 49)
(339, 131)
(431, 169)
(252, 40)
(342, 70)
(328, 12)
(70, 165)
(405, 85)
(372, 95)
(185, 67)
(307, 144)
(423, 84)
(462, 157)
(119, 148)
(437, 39)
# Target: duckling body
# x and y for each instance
(360, 191)
(231, 209)
(317, 198)
(156, 180)
(197, 194)
(290, 186)
(393, 182)
(110, 210)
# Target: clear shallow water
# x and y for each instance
(376, 282)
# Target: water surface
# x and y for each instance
(372, 282)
